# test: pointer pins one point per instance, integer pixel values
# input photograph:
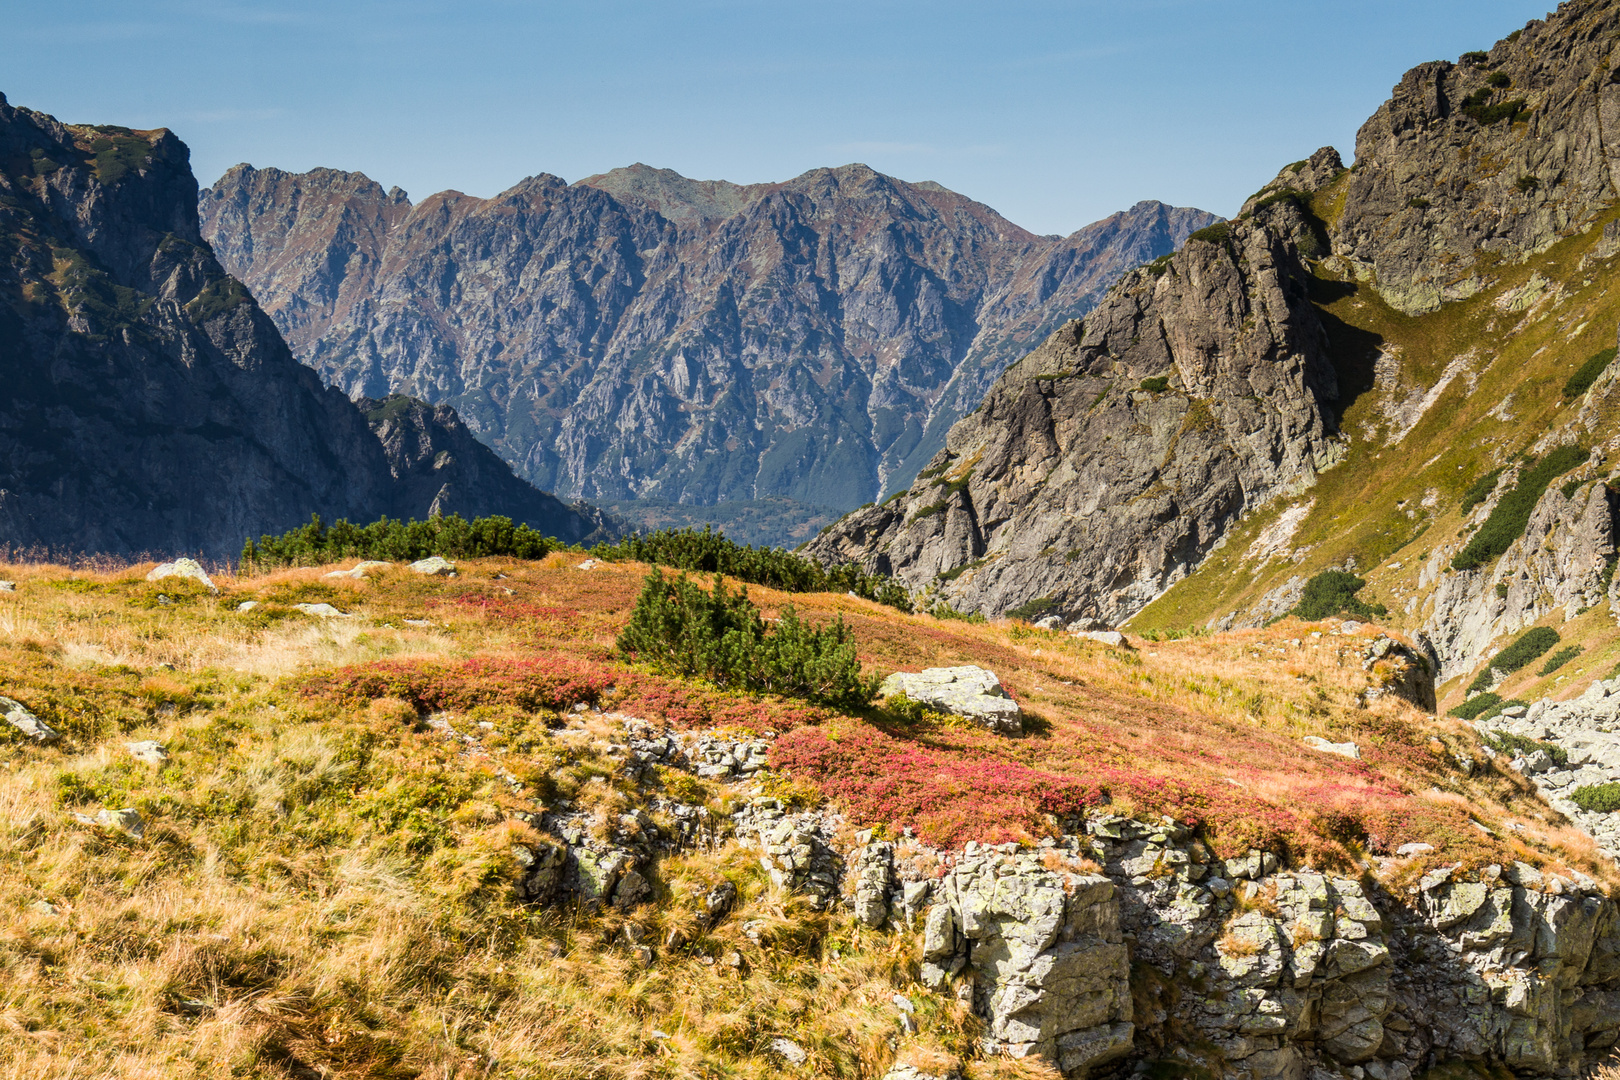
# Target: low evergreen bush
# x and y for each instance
(1156, 385)
(1560, 658)
(1506, 743)
(1213, 234)
(1531, 646)
(1587, 374)
(1597, 798)
(709, 552)
(1476, 706)
(1479, 491)
(679, 628)
(1508, 520)
(397, 541)
(1333, 592)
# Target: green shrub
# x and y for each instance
(1477, 706)
(1033, 609)
(1157, 385)
(217, 297)
(1498, 79)
(1218, 233)
(1289, 195)
(1587, 374)
(679, 628)
(710, 552)
(1479, 491)
(1416, 203)
(1475, 57)
(1533, 644)
(1504, 743)
(1333, 592)
(1597, 798)
(1527, 184)
(1158, 266)
(1477, 106)
(1560, 658)
(1508, 520)
(398, 541)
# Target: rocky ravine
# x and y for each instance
(1103, 467)
(639, 334)
(151, 406)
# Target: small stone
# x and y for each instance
(149, 751)
(1112, 638)
(1406, 851)
(434, 566)
(126, 821)
(360, 571)
(246, 606)
(589, 564)
(904, 1004)
(789, 1051)
(26, 722)
(183, 568)
(8, 586)
(322, 611)
(1344, 749)
(418, 623)
(44, 907)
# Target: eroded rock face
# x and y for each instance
(1440, 182)
(1105, 465)
(1557, 563)
(642, 334)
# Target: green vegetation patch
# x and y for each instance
(1597, 798)
(1560, 658)
(1506, 743)
(1033, 609)
(679, 628)
(1533, 644)
(1218, 233)
(1587, 374)
(1479, 491)
(316, 544)
(1508, 520)
(116, 152)
(1158, 266)
(1333, 592)
(1480, 705)
(218, 297)
(709, 552)
(1478, 107)
(1156, 385)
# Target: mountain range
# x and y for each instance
(641, 335)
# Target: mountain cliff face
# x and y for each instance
(1348, 316)
(150, 405)
(642, 335)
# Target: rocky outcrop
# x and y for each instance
(1494, 157)
(440, 468)
(639, 334)
(1559, 563)
(1104, 466)
(966, 691)
(150, 405)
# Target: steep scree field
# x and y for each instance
(383, 842)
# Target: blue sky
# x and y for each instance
(1055, 114)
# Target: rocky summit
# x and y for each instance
(642, 335)
(151, 405)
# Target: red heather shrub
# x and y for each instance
(546, 682)
(686, 706)
(948, 798)
(508, 608)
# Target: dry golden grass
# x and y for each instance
(327, 891)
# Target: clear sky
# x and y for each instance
(1054, 113)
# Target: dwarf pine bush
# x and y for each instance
(680, 628)
(1333, 592)
(400, 541)
(1531, 646)
(1507, 521)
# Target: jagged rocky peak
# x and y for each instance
(1490, 158)
(151, 406)
(642, 335)
(1103, 466)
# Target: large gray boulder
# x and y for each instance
(26, 722)
(183, 568)
(966, 691)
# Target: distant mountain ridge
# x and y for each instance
(149, 405)
(639, 334)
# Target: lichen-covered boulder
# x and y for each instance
(434, 566)
(183, 568)
(966, 691)
(26, 722)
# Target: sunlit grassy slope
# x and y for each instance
(325, 882)
(1510, 350)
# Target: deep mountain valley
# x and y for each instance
(640, 335)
